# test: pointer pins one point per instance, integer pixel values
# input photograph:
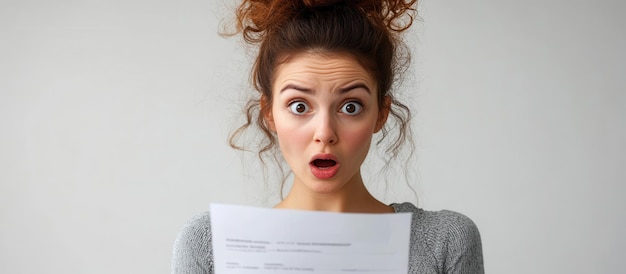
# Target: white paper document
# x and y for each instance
(264, 240)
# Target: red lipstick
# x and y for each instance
(324, 166)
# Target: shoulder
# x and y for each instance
(439, 221)
(451, 238)
(192, 248)
(446, 223)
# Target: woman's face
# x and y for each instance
(324, 112)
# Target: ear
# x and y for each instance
(383, 113)
(266, 112)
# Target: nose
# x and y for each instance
(325, 130)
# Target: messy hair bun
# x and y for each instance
(257, 17)
(367, 30)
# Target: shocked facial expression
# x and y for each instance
(324, 112)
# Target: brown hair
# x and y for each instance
(368, 30)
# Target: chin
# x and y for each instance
(324, 186)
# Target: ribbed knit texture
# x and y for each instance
(441, 242)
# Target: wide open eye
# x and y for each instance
(352, 108)
(298, 107)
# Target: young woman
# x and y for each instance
(324, 74)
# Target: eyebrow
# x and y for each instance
(298, 88)
(342, 90)
(355, 86)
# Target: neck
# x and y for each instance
(352, 197)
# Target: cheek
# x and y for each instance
(291, 135)
(358, 139)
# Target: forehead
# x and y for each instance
(316, 68)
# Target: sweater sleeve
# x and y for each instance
(463, 245)
(193, 252)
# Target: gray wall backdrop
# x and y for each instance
(114, 117)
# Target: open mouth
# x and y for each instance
(324, 163)
(324, 166)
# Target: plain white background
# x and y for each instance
(114, 117)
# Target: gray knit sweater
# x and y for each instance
(441, 242)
